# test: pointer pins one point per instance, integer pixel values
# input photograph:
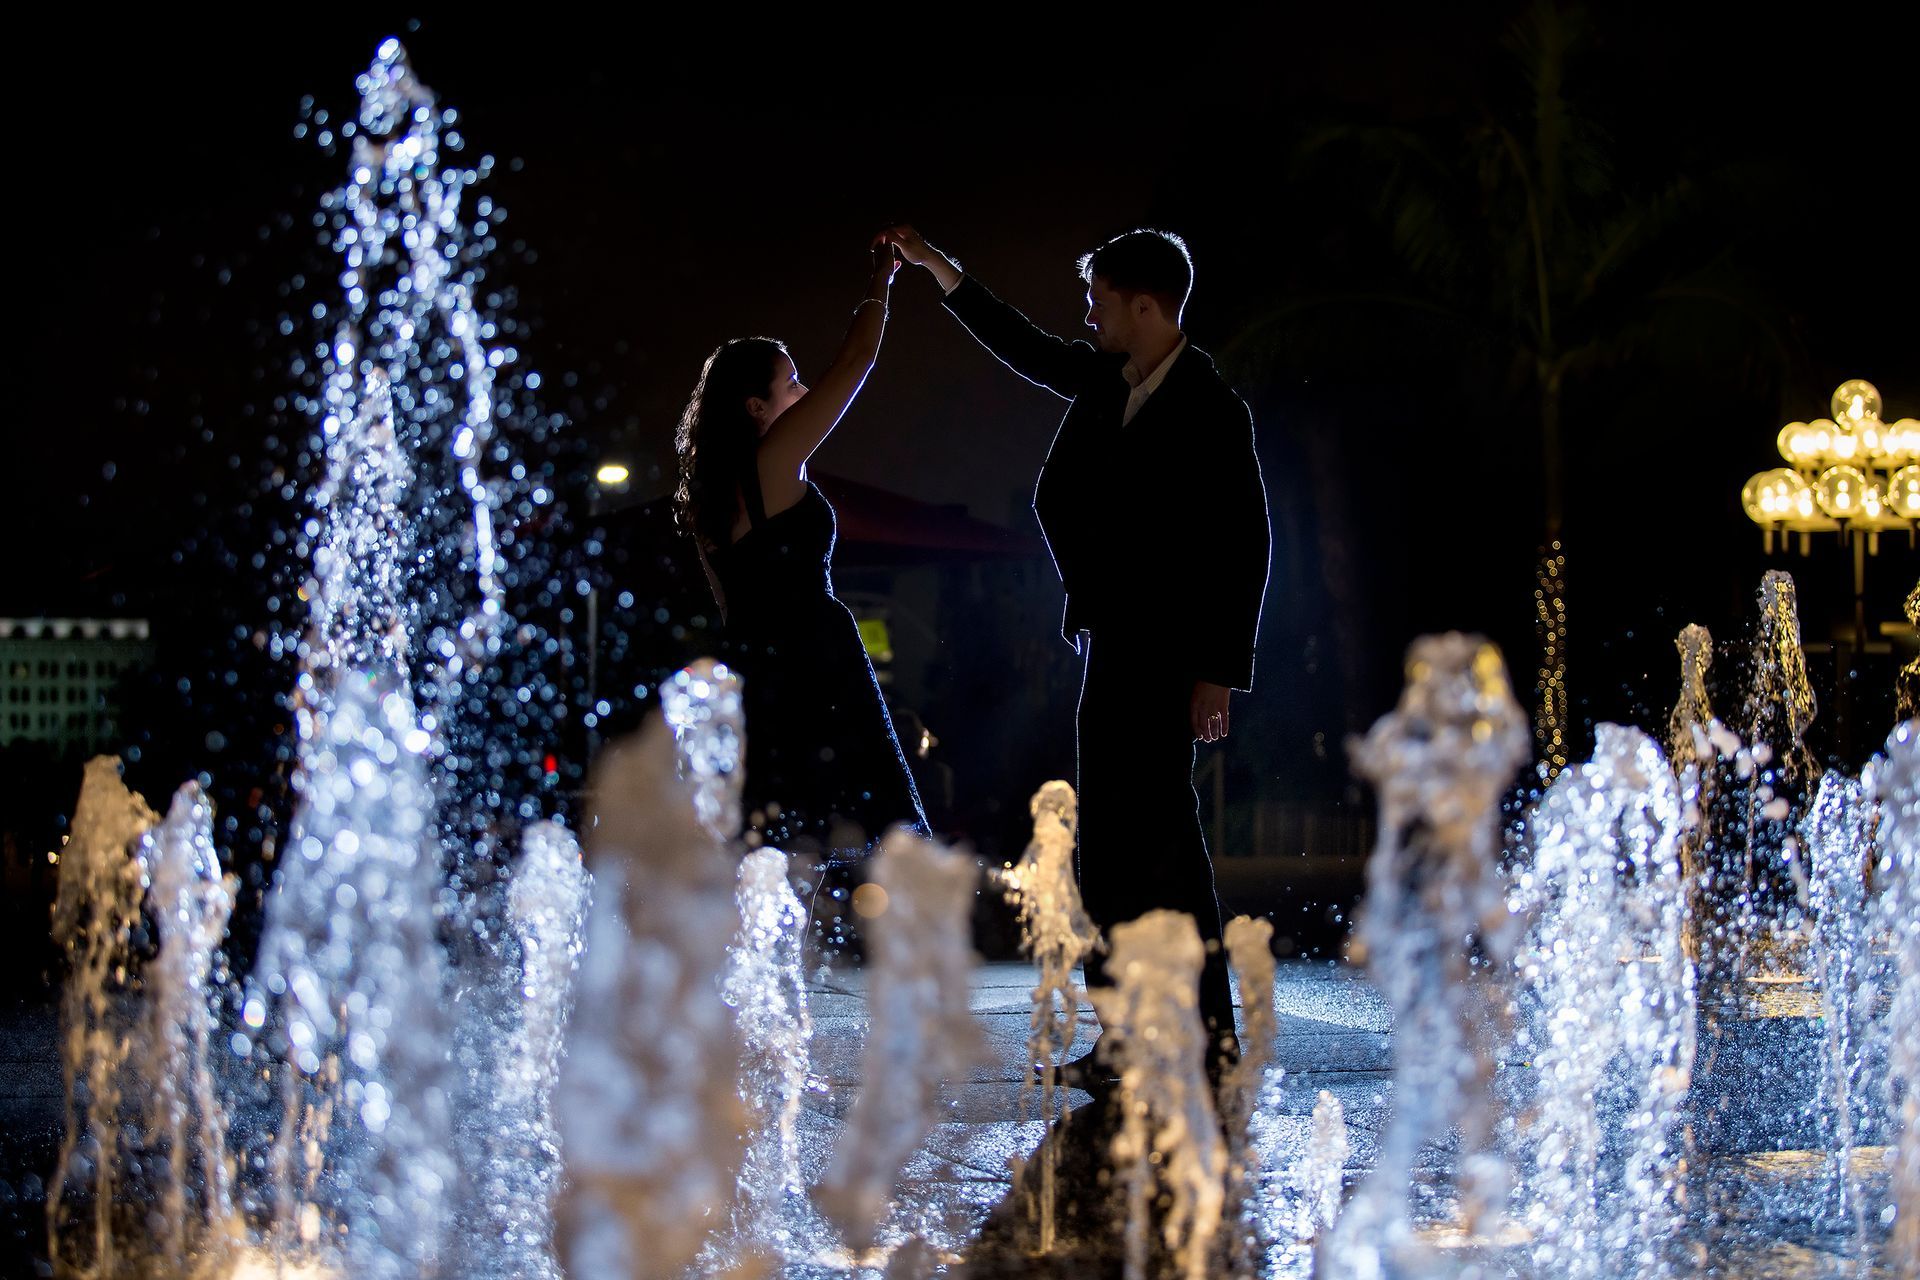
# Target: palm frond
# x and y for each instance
(1634, 229)
(1349, 330)
(1712, 326)
(1405, 185)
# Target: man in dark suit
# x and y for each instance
(1152, 504)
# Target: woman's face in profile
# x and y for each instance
(786, 389)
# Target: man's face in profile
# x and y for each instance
(1109, 316)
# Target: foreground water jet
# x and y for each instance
(1773, 777)
(1690, 730)
(1249, 943)
(186, 987)
(506, 1220)
(1608, 996)
(346, 1014)
(96, 910)
(766, 989)
(1440, 763)
(918, 905)
(1317, 1180)
(347, 993)
(1057, 936)
(1168, 1135)
(1896, 788)
(648, 1111)
(1840, 847)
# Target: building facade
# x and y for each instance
(59, 678)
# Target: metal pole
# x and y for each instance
(593, 669)
(1859, 592)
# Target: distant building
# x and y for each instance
(59, 678)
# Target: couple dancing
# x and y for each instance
(1152, 506)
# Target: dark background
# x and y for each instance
(671, 185)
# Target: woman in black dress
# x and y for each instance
(825, 774)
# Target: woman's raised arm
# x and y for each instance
(808, 421)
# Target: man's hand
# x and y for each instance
(912, 247)
(884, 265)
(1211, 716)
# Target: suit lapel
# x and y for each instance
(1170, 394)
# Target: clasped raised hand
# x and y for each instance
(912, 247)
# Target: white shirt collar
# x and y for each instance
(1144, 387)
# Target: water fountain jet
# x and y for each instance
(1609, 993)
(1249, 943)
(650, 1119)
(1057, 936)
(1895, 787)
(920, 1029)
(1436, 937)
(96, 914)
(1168, 1132)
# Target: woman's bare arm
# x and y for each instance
(808, 421)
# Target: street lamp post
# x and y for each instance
(610, 478)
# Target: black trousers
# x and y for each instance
(1141, 845)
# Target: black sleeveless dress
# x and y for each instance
(824, 770)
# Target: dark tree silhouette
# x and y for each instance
(1507, 248)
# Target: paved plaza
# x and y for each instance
(1334, 1033)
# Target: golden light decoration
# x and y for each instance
(1873, 506)
(1903, 493)
(1855, 401)
(1774, 496)
(1820, 441)
(1840, 492)
(1851, 471)
(1802, 444)
(1855, 475)
(1902, 442)
(1872, 435)
(1842, 443)
(1806, 511)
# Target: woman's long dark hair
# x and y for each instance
(717, 438)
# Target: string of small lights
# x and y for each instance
(1550, 622)
(1907, 685)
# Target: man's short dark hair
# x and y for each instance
(1146, 261)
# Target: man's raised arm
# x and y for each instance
(1060, 366)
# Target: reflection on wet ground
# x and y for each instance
(956, 1204)
(1750, 1212)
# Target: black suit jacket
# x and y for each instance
(1159, 527)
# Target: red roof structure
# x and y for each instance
(880, 526)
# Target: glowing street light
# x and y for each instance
(612, 475)
(1850, 474)
(1853, 474)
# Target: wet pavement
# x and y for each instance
(1334, 1033)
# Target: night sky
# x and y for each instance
(670, 187)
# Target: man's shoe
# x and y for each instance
(1087, 1073)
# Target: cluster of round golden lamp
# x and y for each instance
(1850, 471)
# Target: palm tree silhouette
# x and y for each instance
(1504, 247)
